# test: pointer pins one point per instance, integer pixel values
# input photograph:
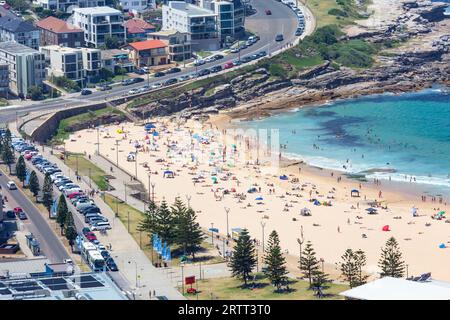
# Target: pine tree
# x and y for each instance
(33, 184)
(391, 262)
(21, 169)
(148, 224)
(47, 193)
(188, 233)
(319, 281)
(360, 260)
(61, 212)
(243, 259)
(165, 223)
(71, 235)
(7, 152)
(351, 267)
(309, 264)
(275, 262)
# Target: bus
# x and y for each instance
(92, 256)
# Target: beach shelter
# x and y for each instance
(168, 174)
(155, 133)
(214, 179)
(316, 203)
(371, 211)
(259, 198)
(251, 190)
(414, 211)
(386, 228)
(149, 126)
(284, 177)
(305, 212)
(442, 246)
(354, 193)
(442, 213)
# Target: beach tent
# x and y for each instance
(284, 177)
(414, 211)
(386, 228)
(149, 126)
(371, 211)
(316, 203)
(305, 212)
(168, 174)
(442, 246)
(155, 134)
(354, 193)
(259, 198)
(441, 213)
(251, 190)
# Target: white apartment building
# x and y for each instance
(63, 5)
(199, 23)
(230, 16)
(98, 23)
(64, 62)
(26, 66)
(137, 6)
(92, 62)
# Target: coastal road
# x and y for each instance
(282, 21)
(50, 244)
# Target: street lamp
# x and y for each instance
(149, 184)
(300, 241)
(98, 141)
(188, 198)
(227, 210)
(135, 263)
(263, 224)
(153, 192)
(322, 261)
(212, 233)
(117, 153)
(135, 164)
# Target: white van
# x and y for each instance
(101, 226)
(11, 185)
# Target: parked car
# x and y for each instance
(173, 70)
(16, 210)
(203, 72)
(218, 57)
(10, 214)
(216, 69)
(199, 62)
(11, 185)
(298, 32)
(22, 215)
(111, 265)
(105, 254)
(156, 85)
(184, 78)
(159, 74)
(101, 225)
(170, 82)
(85, 230)
(91, 236)
(228, 65)
(86, 92)
(133, 91)
(268, 12)
(279, 37)
(262, 54)
(104, 87)
(235, 50)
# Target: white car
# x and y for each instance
(156, 85)
(56, 176)
(133, 91)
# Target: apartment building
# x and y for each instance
(54, 31)
(230, 16)
(20, 31)
(178, 44)
(63, 5)
(4, 83)
(92, 62)
(114, 59)
(98, 23)
(138, 29)
(26, 66)
(199, 23)
(64, 62)
(148, 53)
(136, 6)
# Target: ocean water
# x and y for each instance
(384, 136)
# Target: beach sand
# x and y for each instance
(331, 229)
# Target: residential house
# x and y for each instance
(20, 31)
(138, 29)
(64, 62)
(148, 53)
(114, 59)
(179, 47)
(58, 32)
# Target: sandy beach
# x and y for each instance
(215, 171)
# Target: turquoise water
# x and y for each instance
(391, 135)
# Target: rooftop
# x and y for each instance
(191, 10)
(57, 25)
(16, 24)
(16, 48)
(61, 49)
(147, 44)
(168, 32)
(112, 53)
(84, 286)
(136, 25)
(97, 11)
(388, 288)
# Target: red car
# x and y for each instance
(17, 210)
(90, 236)
(74, 194)
(228, 65)
(268, 12)
(28, 156)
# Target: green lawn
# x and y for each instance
(3, 102)
(320, 9)
(120, 78)
(97, 175)
(203, 54)
(231, 289)
(62, 133)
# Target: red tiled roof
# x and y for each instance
(57, 25)
(147, 44)
(133, 30)
(135, 23)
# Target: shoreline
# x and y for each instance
(408, 190)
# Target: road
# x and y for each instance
(51, 246)
(282, 20)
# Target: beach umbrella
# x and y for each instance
(386, 228)
(149, 126)
(442, 246)
(259, 198)
(155, 134)
(284, 177)
(441, 213)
